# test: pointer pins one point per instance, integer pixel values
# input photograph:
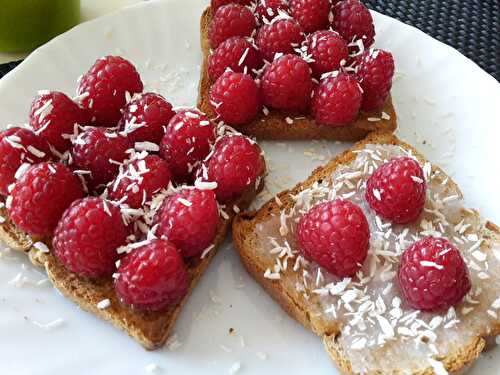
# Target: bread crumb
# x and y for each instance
(214, 297)
(42, 282)
(173, 342)
(235, 368)
(261, 355)
(152, 367)
(19, 281)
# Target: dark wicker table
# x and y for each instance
(470, 26)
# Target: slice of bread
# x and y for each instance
(277, 125)
(150, 329)
(251, 236)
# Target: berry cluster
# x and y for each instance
(297, 56)
(122, 183)
(335, 234)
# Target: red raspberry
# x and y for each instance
(353, 21)
(432, 275)
(107, 83)
(145, 118)
(18, 146)
(152, 277)
(396, 190)
(53, 116)
(139, 180)
(87, 237)
(235, 53)
(187, 141)
(312, 15)
(336, 100)
(40, 197)
(189, 220)
(335, 234)
(98, 150)
(268, 9)
(216, 4)
(375, 73)
(328, 49)
(235, 98)
(287, 84)
(281, 36)
(235, 165)
(231, 20)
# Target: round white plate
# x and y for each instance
(447, 106)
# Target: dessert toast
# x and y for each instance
(279, 125)
(150, 329)
(256, 236)
(66, 226)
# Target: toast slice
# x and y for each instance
(277, 125)
(150, 329)
(425, 343)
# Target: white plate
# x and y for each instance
(442, 98)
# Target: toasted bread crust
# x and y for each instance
(150, 329)
(453, 362)
(244, 229)
(274, 126)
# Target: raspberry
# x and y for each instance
(235, 53)
(235, 165)
(18, 146)
(432, 275)
(328, 49)
(189, 220)
(231, 20)
(98, 150)
(145, 118)
(139, 180)
(187, 141)
(87, 237)
(396, 190)
(152, 277)
(268, 9)
(336, 100)
(287, 84)
(235, 98)
(107, 83)
(353, 21)
(216, 4)
(335, 234)
(375, 73)
(282, 36)
(312, 15)
(53, 116)
(40, 197)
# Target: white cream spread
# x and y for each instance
(377, 330)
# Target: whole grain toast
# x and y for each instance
(249, 228)
(277, 125)
(150, 329)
